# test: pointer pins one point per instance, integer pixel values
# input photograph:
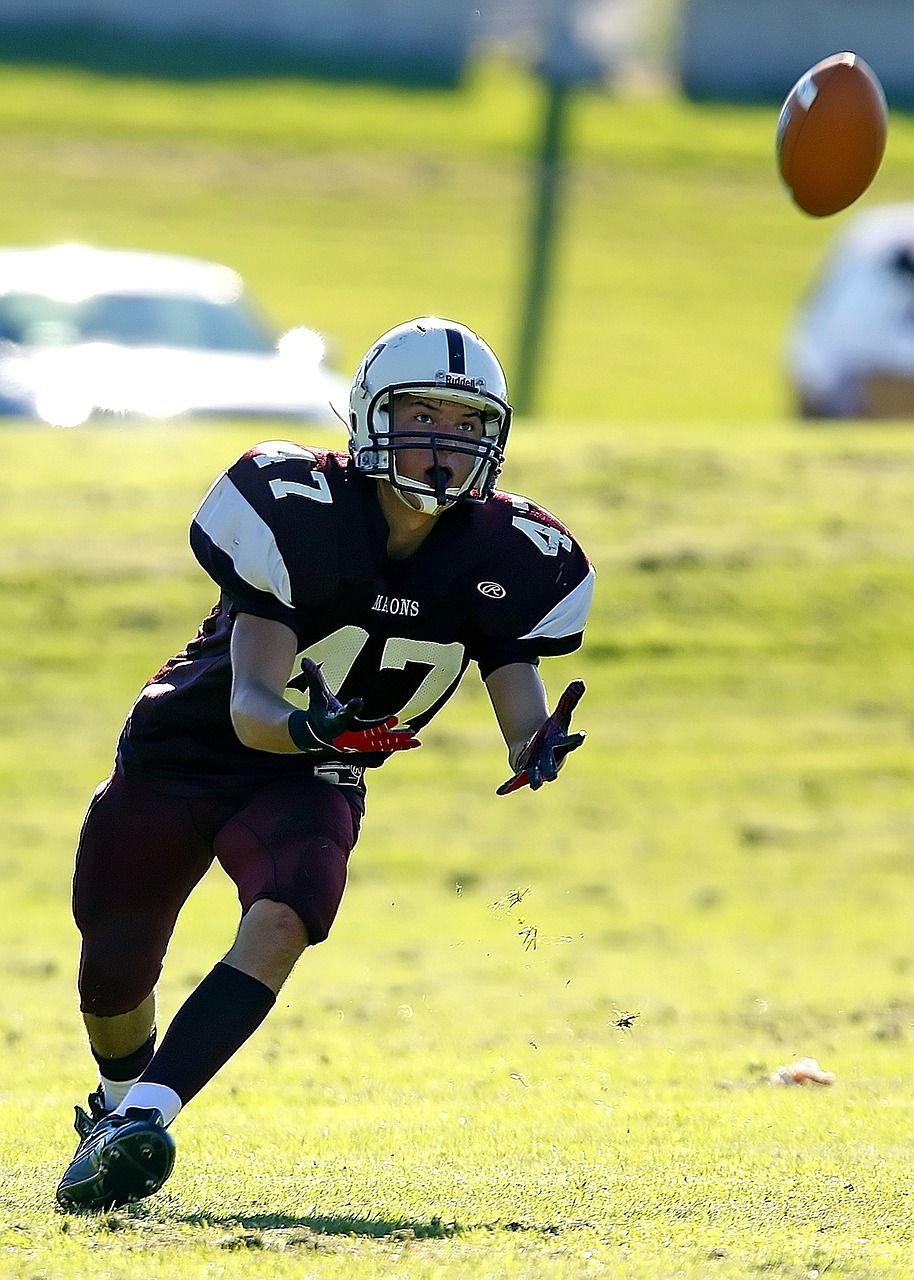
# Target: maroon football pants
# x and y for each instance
(141, 852)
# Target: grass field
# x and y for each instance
(727, 864)
(729, 859)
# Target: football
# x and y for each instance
(831, 134)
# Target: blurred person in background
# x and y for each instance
(850, 346)
(355, 589)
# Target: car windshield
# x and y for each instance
(133, 320)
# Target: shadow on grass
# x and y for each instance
(427, 1229)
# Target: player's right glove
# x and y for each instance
(329, 725)
(545, 753)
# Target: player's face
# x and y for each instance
(421, 415)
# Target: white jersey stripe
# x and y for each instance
(569, 615)
(232, 524)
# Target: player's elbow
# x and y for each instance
(247, 729)
(251, 729)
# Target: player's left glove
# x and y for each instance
(329, 725)
(545, 753)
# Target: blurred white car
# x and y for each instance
(87, 332)
(850, 348)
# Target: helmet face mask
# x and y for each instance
(439, 361)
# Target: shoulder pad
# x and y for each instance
(273, 515)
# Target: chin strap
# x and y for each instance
(426, 503)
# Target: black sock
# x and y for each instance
(213, 1022)
(129, 1067)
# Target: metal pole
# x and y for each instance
(542, 244)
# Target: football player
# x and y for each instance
(354, 590)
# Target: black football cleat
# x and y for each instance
(122, 1158)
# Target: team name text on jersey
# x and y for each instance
(393, 604)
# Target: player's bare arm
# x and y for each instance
(518, 698)
(263, 652)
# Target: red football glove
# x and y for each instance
(329, 725)
(545, 753)
(374, 735)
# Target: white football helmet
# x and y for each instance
(444, 361)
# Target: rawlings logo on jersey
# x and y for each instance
(492, 590)
(396, 605)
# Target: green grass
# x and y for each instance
(679, 262)
(729, 858)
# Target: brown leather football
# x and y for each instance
(831, 134)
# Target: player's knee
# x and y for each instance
(279, 926)
(310, 888)
(109, 991)
(118, 968)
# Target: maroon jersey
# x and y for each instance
(298, 535)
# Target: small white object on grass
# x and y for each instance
(805, 1071)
